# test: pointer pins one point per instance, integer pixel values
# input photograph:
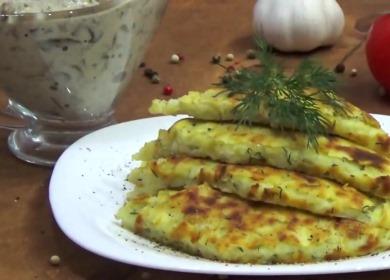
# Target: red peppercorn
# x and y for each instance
(168, 90)
(230, 68)
(181, 57)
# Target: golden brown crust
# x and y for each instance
(266, 184)
(335, 158)
(212, 105)
(203, 221)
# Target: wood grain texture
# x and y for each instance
(196, 29)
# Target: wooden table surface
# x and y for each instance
(197, 30)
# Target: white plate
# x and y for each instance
(88, 186)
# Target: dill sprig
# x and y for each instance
(290, 101)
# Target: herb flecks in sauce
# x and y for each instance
(81, 62)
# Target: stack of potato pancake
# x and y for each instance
(215, 188)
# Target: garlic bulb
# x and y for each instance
(298, 25)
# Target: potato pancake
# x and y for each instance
(205, 222)
(357, 126)
(335, 158)
(266, 184)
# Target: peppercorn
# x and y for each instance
(175, 59)
(149, 73)
(230, 57)
(226, 78)
(168, 90)
(216, 59)
(142, 65)
(55, 260)
(181, 57)
(230, 68)
(354, 72)
(155, 79)
(251, 54)
(340, 68)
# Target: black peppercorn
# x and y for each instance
(216, 59)
(251, 54)
(340, 68)
(150, 73)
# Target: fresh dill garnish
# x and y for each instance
(289, 101)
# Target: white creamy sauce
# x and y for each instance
(35, 6)
(73, 67)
